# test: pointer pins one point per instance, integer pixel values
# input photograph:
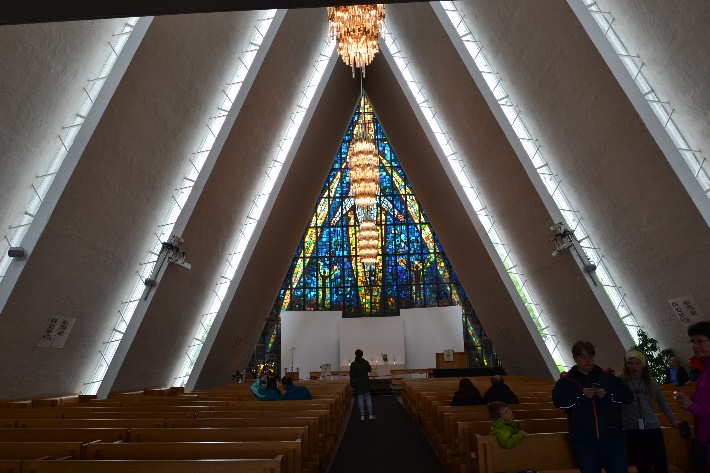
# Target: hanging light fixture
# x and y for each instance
(364, 170)
(368, 242)
(356, 28)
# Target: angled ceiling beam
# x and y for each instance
(44, 11)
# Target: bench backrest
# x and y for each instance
(153, 466)
(537, 452)
(291, 451)
(63, 435)
(95, 423)
(34, 450)
(237, 434)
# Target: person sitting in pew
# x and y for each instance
(467, 395)
(499, 391)
(266, 389)
(505, 429)
(293, 392)
(676, 374)
(696, 368)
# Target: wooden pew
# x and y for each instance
(152, 466)
(34, 450)
(130, 415)
(291, 451)
(237, 434)
(10, 466)
(467, 432)
(552, 451)
(310, 422)
(324, 435)
(90, 423)
(448, 434)
(64, 435)
(31, 413)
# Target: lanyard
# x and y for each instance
(637, 392)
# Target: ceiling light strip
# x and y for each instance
(179, 198)
(66, 136)
(533, 150)
(698, 164)
(476, 200)
(258, 206)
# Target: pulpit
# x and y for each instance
(460, 360)
(294, 375)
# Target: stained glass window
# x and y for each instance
(411, 269)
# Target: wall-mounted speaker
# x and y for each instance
(16, 252)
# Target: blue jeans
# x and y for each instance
(594, 454)
(363, 398)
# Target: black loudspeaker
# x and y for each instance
(260, 353)
(15, 252)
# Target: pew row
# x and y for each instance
(290, 451)
(552, 451)
(153, 466)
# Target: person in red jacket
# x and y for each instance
(592, 398)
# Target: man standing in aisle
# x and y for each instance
(360, 382)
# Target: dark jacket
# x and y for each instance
(592, 417)
(681, 376)
(360, 375)
(297, 393)
(461, 399)
(260, 391)
(500, 392)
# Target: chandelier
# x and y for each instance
(364, 170)
(355, 28)
(368, 242)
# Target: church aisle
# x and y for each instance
(391, 442)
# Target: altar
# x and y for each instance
(383, 369)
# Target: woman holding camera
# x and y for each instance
(699, 403)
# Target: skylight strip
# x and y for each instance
(471, 191)
(550, 181)
(179, 199)
(693, 158)
(249, 226)
(68, 133)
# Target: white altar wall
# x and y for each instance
(431, 330)
(314, 335)
(374, 336)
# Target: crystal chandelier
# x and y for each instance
(368, 242)
(364, 170)
(355, 28)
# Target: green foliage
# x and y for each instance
(657, 359)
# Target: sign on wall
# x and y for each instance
(57, 331)
(687, 310)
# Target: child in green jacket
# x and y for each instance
(504, 427)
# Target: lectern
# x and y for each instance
(460, 360)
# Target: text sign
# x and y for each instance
(57, 331)
(686, 309)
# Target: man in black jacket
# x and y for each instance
(499, 391)
(592, 398)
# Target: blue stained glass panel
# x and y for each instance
(411, 269)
